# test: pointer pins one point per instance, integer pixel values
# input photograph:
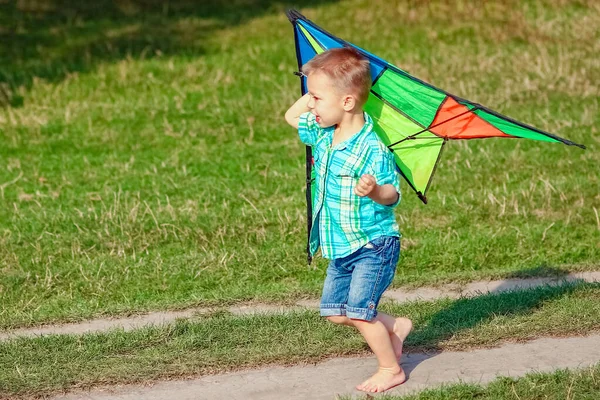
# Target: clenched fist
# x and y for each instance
(366, 184)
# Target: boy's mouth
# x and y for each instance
(318, 119)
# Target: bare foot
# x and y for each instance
(383, 379)
(402, 328)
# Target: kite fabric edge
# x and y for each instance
(401, 103)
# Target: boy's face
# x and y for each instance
(325, 101)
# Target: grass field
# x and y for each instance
(145, 163)
(225, 342)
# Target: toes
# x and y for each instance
(368, 387)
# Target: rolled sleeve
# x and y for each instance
(308, 129)
(385, 172)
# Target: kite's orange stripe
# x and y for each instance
(467, 126)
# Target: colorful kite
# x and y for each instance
(413, 118)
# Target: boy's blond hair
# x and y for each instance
(348, 70)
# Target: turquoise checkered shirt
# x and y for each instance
(342, 221)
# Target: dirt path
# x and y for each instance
(339, 376)
(399, 295)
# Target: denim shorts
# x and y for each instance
(355, 283)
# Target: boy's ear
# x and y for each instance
(348, 102)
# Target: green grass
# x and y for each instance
(225, 342)
(145, 163)
(581, 384)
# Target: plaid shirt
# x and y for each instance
(342, 221)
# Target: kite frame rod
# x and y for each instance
(294, 15)
(413, 136)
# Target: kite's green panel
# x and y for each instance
(514, 129)
(416, 158)
(412, 117)
(408, 96)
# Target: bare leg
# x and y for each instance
(389, 374)
(340, 319)
(398, 328)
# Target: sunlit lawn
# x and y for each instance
(223, 342)
(145, 163)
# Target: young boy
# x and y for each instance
(356, 190)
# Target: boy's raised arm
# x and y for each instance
(292, 116)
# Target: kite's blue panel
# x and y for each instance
(306, 54)
(326, 41)
(329, 42)
(377, 64)
(306, 50)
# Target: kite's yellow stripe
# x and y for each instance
(316, 46)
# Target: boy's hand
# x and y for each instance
(365, 185)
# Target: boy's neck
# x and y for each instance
(351, 124)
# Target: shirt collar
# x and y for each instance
(367, 127)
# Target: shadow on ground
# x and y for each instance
(533, 277)
(467, 313)
(537, 272)
(50, 39)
